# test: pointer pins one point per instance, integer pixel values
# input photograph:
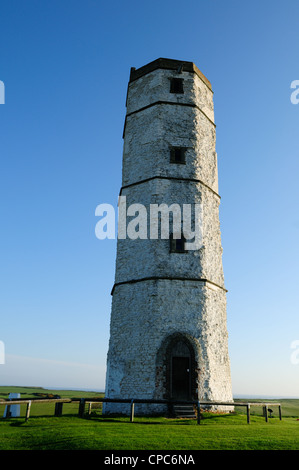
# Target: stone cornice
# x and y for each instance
(169, 64)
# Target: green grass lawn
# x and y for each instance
(43, 431)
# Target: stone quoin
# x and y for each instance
(168, 329)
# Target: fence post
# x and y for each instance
(198, 412)
(8, 413)
(248, 413)
(89, 408)
(28, 410)
(132, 412)
(279, 409)
(266, 413)
(81, 407)
(58, 409)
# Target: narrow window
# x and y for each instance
(177, 155)
(176, 85)
(177, 245)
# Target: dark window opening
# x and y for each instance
(177, 245)
(176, 85)
(177, 155)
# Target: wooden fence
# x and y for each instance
(84, 401)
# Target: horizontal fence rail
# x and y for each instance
(83, 401)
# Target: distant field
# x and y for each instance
(229, 432)
(47, 409)
(27, 392)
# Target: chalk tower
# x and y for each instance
(168, 330)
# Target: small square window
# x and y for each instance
(176, 85)
(177, 155)
(177, 245)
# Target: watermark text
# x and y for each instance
(295, 353)
(158, 221)
(2, 92)
(2, 353)
(295, 94)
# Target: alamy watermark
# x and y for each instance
(156, 221)
(2, 353)
(2, 93)
(295, 94)
(295, 353)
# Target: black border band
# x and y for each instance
(171, 103)
(165, 278)
(174, 178)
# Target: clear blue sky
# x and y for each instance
(65, 65)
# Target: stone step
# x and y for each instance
(184, 411)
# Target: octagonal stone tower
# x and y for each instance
(168, 332)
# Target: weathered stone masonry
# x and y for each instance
(169, 309)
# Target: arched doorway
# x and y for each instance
(177, 372)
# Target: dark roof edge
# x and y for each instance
(169, 64)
